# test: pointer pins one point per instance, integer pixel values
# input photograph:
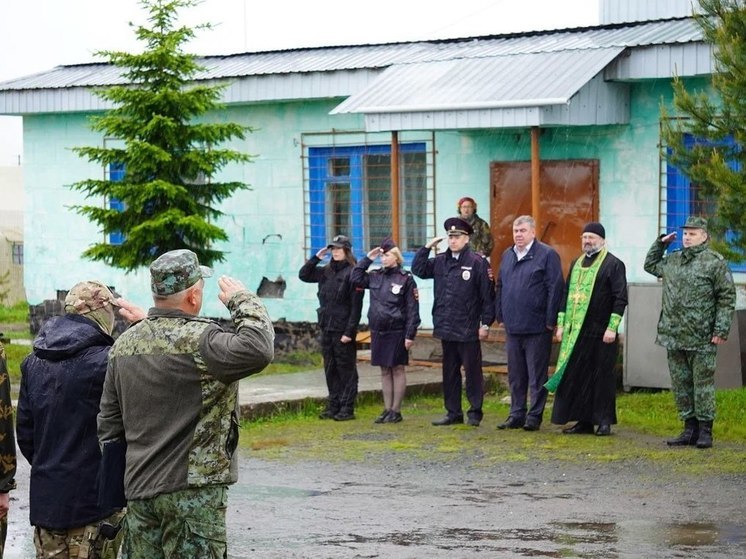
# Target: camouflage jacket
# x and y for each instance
(171, 391)
(481, 240)
(7, 440)
(698, 296)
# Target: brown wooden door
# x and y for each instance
(568, 200)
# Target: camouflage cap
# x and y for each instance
(695, 222)
(176, 271)
(88, 296)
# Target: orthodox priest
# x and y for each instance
(587, 324)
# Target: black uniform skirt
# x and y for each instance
(387, 348)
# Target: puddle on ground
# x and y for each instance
(585, 540)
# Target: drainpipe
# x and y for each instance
(395, 186)
(535, 170)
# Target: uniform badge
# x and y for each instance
(465, 275)
(395, 288)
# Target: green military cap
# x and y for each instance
(176, 271)
(695, 222)
(88, 296)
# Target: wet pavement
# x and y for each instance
(401, 506)
(410, 509)
(260, 395)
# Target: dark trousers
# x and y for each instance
(340, 369)
(468, 354)
(528, 361)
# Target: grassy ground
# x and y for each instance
(17, 314)
(645, 419)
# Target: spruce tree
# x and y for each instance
(716, 162)
(169, 154)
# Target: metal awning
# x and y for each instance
(538, 80)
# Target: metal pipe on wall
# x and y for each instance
(395, 186)
(535, 175)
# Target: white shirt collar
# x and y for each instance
(521, 253)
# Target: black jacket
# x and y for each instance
(529, 291)
(61, 386)
(393, 298)
(464, 293)
(340, 303)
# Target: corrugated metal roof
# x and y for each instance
(515, 80)
(329, 59)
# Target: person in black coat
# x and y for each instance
(393, 318)
(463, 309)
(61, 386)
(340, 307)
(528, 294)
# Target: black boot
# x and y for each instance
(705, 434)
(688, 436)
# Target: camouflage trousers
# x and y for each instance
(185, 524)
(78, 543)
(693, 383)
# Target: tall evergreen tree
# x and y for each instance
(169, 156)
(716, 162)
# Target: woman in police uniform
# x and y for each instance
(393, 318)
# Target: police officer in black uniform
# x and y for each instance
(340, 307)
(393, 317)
(462, 313)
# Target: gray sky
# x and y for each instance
(37, 35)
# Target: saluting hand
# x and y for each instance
(434, 241)
(228, 288)
(129, 311)
(321, 253)
(375, 253)
(671, 237)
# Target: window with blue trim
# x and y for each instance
(350, 194)
(116, 174)
(684, 198)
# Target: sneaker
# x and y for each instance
(344, 416)
(393, 417)
(382, 418)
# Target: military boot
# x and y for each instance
(705, 434)
(688, 436)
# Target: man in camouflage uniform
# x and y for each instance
(7, 448)
(171, 393)
(480, 241)
(698, 302)
(61, 385)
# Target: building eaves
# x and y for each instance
(505, 81)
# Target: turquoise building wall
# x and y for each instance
(266, 224)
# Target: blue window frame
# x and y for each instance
(683, 197)
(350, 194)
(116, 174)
